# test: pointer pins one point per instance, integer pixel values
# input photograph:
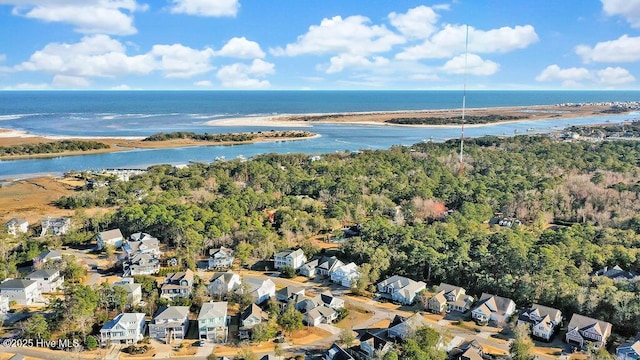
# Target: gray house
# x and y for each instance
(49, 280)
(23, 292)
(170, 323)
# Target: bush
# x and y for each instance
(137, 350)
(91, 342)
(288, 272)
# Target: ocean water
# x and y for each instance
(141, 113)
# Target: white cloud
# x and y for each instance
(89, 16)
(451, 41)
(623, 49)
(29, 86)
(74, 82)
(121, 87)
(340, 62)
(475, 65)
(615, 76)
(203, 83)
(179, 61)
(628, 9)
(570, 77)
(102, 56)
(351, 35)
(210, 8)
(3, 57)
(240, 47)
(417, 23)
(245, 76)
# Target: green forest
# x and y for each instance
(469, 119)
(226, 137)
(52, 147)
(419, 215)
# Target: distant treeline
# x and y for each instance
(52, 147)
(229, 137)
(474, 119)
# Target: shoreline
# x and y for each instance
(378, 118)
(9, 137)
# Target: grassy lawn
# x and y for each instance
(357, 315)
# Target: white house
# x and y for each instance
(583, 329)
(112, 237)
(23, 292)
(345, 275)
(327, 299)
(493, 308)
(542, 320)
(291, 258)
(259, 289)
(17, 226)
(170, 323)
(212, 322)
(49, 280)
(46, 256)
(221, 258)
(126, 328)
(319, 315)
(224, 283)
(4, 305)
(134, 291)
(55, 226)
(402, 327)
(249, 318)
(401, 289)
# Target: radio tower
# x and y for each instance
(464, 102)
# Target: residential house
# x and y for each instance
(629, 350)
(23, 292)
(468, 350)
(112, 238)
(291, 258)
(212, 322)
(401, 289)
(327, 299)
(126, 328)
(335, 352)
(224, 283)
(309, 269)
(345, 275)
(249, 318)
(170, 323)
(142, 243)
(305, 304)
(49, 280)
(450, 298)
(616, 273)
(504, 221)
(327, 265)
(4, 305)
(493, 308)
(17, 226)
(46, 256)
(582, 329)
(142, 255)
(260, 290)
(319, 315)
(134, 291)
(287, 294)
(221, 258)
(372, 346)
(402, 328)
(141, 264)
(542, 320)
(177, 285)
(55, 226)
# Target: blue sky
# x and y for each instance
(328, 44)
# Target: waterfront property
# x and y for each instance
(212, 322)
(126, 328)
(170, 323)
(583, 329)
(493, 308)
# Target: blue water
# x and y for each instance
(139, 113)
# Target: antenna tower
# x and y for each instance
(464, 102)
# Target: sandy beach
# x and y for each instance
(526, 113)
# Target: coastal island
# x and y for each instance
(22, 146)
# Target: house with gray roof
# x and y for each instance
(16, 226)
(319, 315)
(177, 285)
(134, 291)
(493, 308)
(327, 299)
(450, 298)
(220, 258)
(402, 328)
(468, 350)
(49, 280)
(542, 320)
(373, 346)
(170, 323)
(336, 352)
(260, 290)
(126, 328)
(583, 329)
(212, 322)
(345, 275)
(401, 289)
(249, 318)
(616, 273)
(291, 258)
(55, 226)
(224, 283)
(46, 256)
(23, 292)
(111, 237)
